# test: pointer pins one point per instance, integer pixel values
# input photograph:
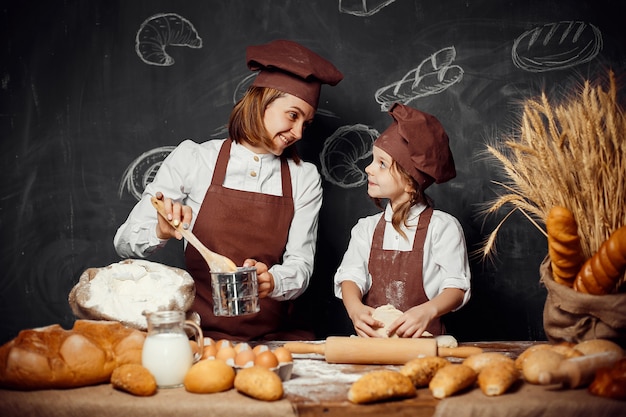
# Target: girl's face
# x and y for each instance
(285, 120)
(383, 182)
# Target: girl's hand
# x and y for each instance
(364, 324)
(264, 277)
(177, 213)
(414, 321)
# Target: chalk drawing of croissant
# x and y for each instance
(362, 7)
(162, 30)
(433, 75)
(142, 170)
(345, 155)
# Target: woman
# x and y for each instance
(248, 197)
(409, 256)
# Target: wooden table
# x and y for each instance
(315, 388)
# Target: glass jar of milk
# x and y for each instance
(166, 351)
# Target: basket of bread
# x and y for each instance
(566, 168)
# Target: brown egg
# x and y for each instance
(209, 350)
(239, 347)
(283, 355)
(266, 359)
(226, 353)
(223, 343)
(244, 358)
(260, 348)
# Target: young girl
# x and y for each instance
(248, 197)
(409, 256)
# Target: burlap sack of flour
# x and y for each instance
(123, 291)
(572, 316)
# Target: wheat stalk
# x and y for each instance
(572, 155)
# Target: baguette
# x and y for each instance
(451, 379)
(496, 378)
(52, 357)
(564, 247)
(604, 271)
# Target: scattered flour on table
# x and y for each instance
(125, 291)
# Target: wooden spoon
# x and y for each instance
(217, 263)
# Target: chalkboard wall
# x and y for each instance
(95, 94)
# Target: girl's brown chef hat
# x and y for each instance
(290, 67)
(417, 141)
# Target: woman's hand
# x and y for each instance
(264, 277)
(414, 321)
(364, 324)
(176, 213)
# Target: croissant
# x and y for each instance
(564, 245)
(601, 274)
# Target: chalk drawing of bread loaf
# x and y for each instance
(162, 30)
(556, 46)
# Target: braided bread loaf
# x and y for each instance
(563, 245)
(602, 273)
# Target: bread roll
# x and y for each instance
(497, 377)
(480, 361)
(451, 379)
(260, 383)
(381, 385)
(134, 379)
(421, 370)
(539, 361)
(564, 248)
(208, 376)
(589, 347)
(52, 357)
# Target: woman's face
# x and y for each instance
(385, 182)
(285, 120)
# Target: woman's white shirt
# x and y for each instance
(186, 174)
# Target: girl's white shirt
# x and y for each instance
(445, 264)
(186, 174)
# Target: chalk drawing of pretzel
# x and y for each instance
(362, 7)
(345, 155)
(433, 75)
(160, 31)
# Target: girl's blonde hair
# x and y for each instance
(416, 194)
(246, 120)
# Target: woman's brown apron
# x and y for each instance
(397, 276)
(240, 225)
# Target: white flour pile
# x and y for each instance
(123, 291)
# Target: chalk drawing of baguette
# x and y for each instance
(433, 75)
(556, 46)
(162, 30)
(142, 170)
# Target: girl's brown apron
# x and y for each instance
(397, 276)
(240, 225)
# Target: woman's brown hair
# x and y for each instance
(417, 195)
(246, 119)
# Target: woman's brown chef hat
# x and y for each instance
(290, 67)
(417, 141)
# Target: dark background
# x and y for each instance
(79, 107)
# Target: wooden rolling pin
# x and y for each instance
(379, 351)
(579, 371)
